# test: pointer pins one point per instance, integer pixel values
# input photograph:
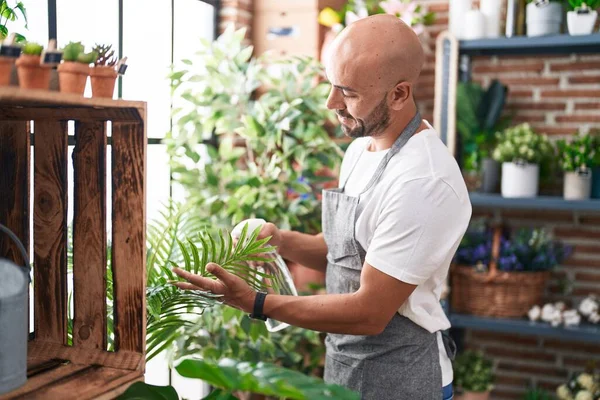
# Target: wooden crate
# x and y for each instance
(84, 370)
(289, 27)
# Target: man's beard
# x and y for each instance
(373, 125)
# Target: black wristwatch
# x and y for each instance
(259, 302)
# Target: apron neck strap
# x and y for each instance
(402, 139)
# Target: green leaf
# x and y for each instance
(220, 394)
(144, 391)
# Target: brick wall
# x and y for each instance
(558, 95)
(238, 12)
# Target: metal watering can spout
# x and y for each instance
(13, 319)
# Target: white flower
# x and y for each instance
(584, 395)
(535, 313)
(586, 380)
(564, 393)
(571, 317)
(588, 306)
(594, 317)
(550, 313)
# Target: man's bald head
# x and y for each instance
(381, 48)
(372, 66)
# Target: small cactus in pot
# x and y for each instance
(32, 73)
(75, 68)
(104, 74)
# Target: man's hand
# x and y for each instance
(236, 292)
(272, 230)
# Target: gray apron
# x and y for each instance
(403, 361)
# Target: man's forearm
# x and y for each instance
(332, 313)
(308, 250)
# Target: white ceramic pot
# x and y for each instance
(577, 185)
(492, 10)
(520, 180)
(458, 9)
(474, 25)
(581, 24)
(544, 19)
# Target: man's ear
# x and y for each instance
(401, 95)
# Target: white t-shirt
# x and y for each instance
(412, 221)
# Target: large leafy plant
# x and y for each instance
(8, 13)
(229, 377)
(473, 372)
(273, 149)
(478, 118)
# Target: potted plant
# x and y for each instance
(544, 17)
(581, 19)
(473, 376)
(478, 118)
(498, 273)
(8, 13)
(576, 159)
(9, 52)
(521, 152)
(582, 386)
(75, 68)
(103, 74)
(32, 73)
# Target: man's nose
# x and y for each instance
(335, 100)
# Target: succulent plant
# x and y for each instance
(74, 51)
(106, 55)
(33, 49)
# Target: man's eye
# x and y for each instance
(346, 94)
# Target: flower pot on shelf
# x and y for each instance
(520, 179)
(32, 74)
(490, 176)
(596, 183)
(578, 185)
(580, 22)
(103, 80)
(6, 67)
(473, 396)
(72, 77)
(544, 19)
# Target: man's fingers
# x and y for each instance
(186, 286)
(220, 273)
(199, 281)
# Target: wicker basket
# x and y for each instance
(496, 294)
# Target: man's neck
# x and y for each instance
(397, 125)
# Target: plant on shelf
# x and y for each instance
(230, 377)
(8, 13)
(582, 16)
(525, 156)
(473, 375)
(478, 118)
(497, 274)
(582, 386)
(32, 73)
(577, 156)
(75, 68)
(544, 17)
(103, 75)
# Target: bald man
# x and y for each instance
(389, 231)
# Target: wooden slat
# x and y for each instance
(14, 96)
(10, 112)
(129, 235)
(89, 236)
(14, 187)
(123, 359)
(76, 381)
(44, 379)
(50, 231)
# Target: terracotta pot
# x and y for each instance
(472, 396)
(304, 276)
(103, 81)
(32, 75)
(72, 77)
(6, 65)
